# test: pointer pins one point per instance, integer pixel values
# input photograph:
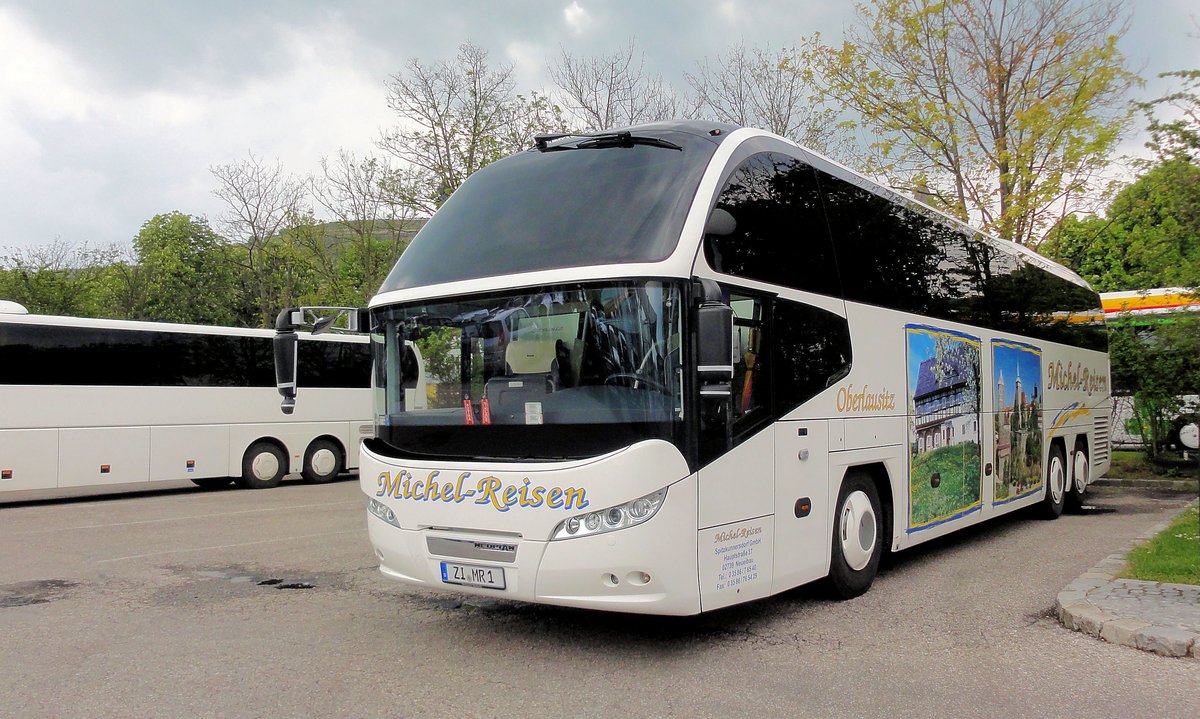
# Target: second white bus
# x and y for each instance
(91, 405)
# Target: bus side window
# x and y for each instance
(780, 234)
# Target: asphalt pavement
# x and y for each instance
(269, 604)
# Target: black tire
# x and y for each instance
(211, 482)
(1056, 479)
(263, 466)
(323, 461)
(859, 517)
(1077, 497)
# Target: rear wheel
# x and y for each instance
(1056, 483)
(857, 544)
(322, 461)
(1079, 478)
(211, 482)
(263, 466)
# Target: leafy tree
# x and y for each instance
(187, 277)
(374, 224)
(1180, 135)
(1157, 364)
(56, 279)
(262, 200)
(1002, 111)
(1149, 238)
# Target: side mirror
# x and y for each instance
(285, 359)
(720, 223)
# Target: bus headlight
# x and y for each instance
(379, 509)
(611, 519)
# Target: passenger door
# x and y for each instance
(737, 484)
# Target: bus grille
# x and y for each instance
(1100, 439)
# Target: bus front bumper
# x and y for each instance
(650, 568)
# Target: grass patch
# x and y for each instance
(1171, 556)
(1133, 464)
(1128, 464)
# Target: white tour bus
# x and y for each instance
(686, 365)
(91, 403)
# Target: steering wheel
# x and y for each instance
(634, 379)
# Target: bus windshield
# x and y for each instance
(553, 373)
(594, 204)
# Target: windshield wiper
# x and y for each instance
(603, 140)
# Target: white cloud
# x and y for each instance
(96, 162)
(577, 18)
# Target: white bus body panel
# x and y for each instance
(28, 459)
(190, 451)
(103, 455)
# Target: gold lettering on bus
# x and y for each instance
(865, 399)
(489, 490)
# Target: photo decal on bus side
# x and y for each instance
(945, 482)
(1017, 420)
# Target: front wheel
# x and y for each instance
(1056, 484)
(857, 544)
(263, 466)
(322, 461)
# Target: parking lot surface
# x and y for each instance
(242, 603)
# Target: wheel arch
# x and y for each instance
(268, 439)
(332, 438)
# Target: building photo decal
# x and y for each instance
(1017, 420)
(945, 482)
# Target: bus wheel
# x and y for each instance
(857, 544)
(263, 466)
(1079, 478)
(1056, 483)
(211, 482)
(322, 461)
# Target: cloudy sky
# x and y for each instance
(112, 112)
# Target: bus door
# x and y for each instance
(737, 478)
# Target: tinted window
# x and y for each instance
(564, 208)
(781, 235)
(909, 259)
(814, 352)
(333, 364)
(44, 355)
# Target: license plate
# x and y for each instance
(470, 575)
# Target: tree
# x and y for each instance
(261, 201)
(55, 279)
(770, 89)
(1005, 110)
(612, 90)
(376, 225)
(1150, 236)
(1157, 364)
(1178, 136)
(186, 273)
(455, 118)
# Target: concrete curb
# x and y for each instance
(1077, 613)
(1181, 485)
